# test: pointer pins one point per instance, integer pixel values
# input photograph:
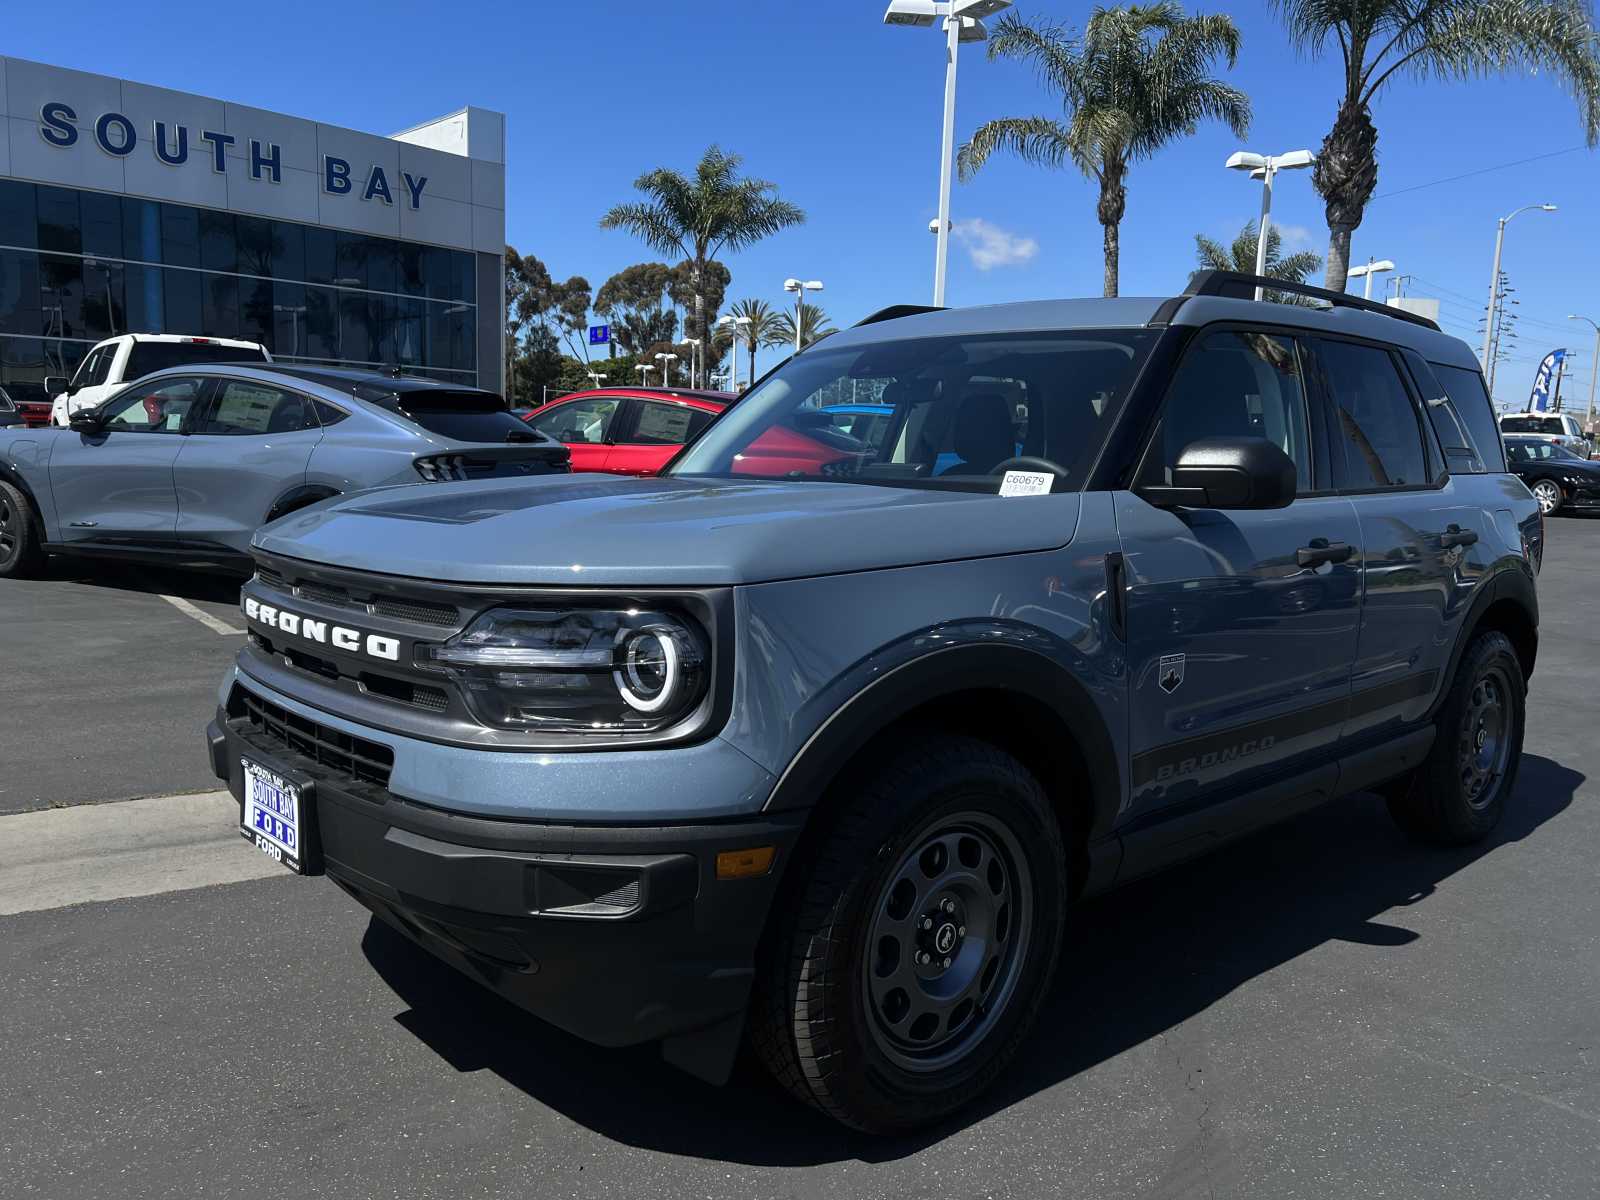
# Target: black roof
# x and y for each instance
(365, 384)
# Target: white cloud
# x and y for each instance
(1295, 237)
(990, 246)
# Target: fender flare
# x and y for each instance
(298, 497)
(1511, 582)
(948, 672)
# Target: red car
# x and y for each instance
(628, 431)
(636, 431)
(34, 413)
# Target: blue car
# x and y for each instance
(184, 465)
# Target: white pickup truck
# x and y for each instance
(129, 356)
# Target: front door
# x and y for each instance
(116, 485)
(1421, 555)
(1241, 625)
(585, 426)
(245, 451)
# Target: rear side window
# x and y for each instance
(328, 414)
(667, 424)
(462, 416)
(1375, 422)
(1469, 416)
(242, 408)
(157, 356)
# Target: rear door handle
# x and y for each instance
(1320, 551)
(1457, 536)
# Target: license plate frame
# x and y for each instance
(278, 815)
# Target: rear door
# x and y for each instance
(117, 484)
(1422, 551)
(585, 426)
(1241, 625)
(651, 432)
(249, 446)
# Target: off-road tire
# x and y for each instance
(810, 1014)
(20, 553)
(1435, 804)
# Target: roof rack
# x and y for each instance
(897, 310)
(1239, 286)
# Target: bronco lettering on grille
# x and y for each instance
(339, 637)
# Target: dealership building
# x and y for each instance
(126, 208)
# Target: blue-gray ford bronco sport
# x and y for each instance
(812, 741)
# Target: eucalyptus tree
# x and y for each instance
(1137, 79)
(696, 217)
(1428, 40)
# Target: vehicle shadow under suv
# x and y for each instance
(1136, 963)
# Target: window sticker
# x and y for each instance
(246, 408)
(1026, 483)
(662, 423)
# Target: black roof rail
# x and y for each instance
(897, 310)
(1239, 286)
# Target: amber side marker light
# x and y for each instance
(745, 864)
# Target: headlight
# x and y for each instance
(578, 670)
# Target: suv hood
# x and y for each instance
(610, 530)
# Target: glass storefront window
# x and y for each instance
(322, 256)
(219, 251)
(255, 245)
(219, 315)
(180, 236)
(288, 320)
(288, 250)
(183, 301)
(61, 296)
(19, 292)
(103, 313)
(143, 296)
(102, 224)
(141, 230)
(60, 227)
(19, 215)
(322, 324)
(256, 322)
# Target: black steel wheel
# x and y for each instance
(1460, 792)
(915, 940)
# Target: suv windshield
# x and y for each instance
(954, 410)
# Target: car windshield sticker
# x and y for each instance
(1026, 483)
(660, 423)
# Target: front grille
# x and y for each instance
(340, 754)
(424, 612)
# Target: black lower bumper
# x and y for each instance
(617, 934)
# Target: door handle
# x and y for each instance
(1320, 551)
(1457, 536)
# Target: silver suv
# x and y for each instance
(816, 739)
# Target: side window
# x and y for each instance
(84, 375)
(580, 420)
(102, 369)
(242, 408)
(665, 424)
(329, 414)
(1235, 383)
(1375, 422)
(1469, 403)
(1517, 452)
(158, 407)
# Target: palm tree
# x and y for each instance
(1428, 40)
(762, 329)
(1135, 81)
(1241, 256)
(814, 326)
(695, 218)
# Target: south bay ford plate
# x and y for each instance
(273, 817)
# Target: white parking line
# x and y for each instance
(64, 856)
(215, 624)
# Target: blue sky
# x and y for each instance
(843, 114)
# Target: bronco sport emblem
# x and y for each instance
(1170, 672)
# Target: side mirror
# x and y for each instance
(1227, 472)
(86, 420)
(55, 385)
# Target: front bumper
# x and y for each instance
(619, 934)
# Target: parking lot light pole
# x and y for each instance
(666, 368)
(1265, 167)
(728, 319)
(1494, 288)
(800, 288)
(644, 370)
(1373, 266)
(595, 377)
(694, 360)
(962, 23)
(1594, 368)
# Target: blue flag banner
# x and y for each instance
(1543, 378)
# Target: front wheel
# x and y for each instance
(920, 940)
(1459, 793)
(1548, 493)
(20, 552)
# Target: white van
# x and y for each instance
(130, 356)
(1561, 428)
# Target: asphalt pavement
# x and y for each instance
(1323, 1010)
(108, 676)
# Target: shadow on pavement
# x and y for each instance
(1135, 963)
(211, 584)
